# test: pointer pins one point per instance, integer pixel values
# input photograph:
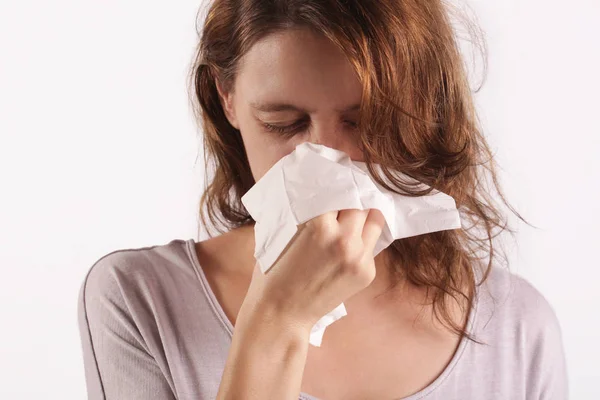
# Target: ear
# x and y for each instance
(226, 99)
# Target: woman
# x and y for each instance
(432, 316)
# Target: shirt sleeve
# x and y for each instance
(117, 362)
(554, 381)
(547, 371)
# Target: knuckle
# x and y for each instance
(346, 249)
(361, 271)
(357, 272)
(318, 229)
(339, 246)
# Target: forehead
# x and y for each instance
(298, 66)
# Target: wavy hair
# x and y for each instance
(417, 117)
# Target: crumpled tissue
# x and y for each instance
(315, 179)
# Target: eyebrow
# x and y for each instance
(275, 107)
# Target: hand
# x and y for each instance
(328, 260)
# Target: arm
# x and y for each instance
(117, 362)
(267, 356)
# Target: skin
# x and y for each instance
(388, 346)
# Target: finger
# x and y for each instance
(352, 220)
(327, 219)
(372, 228)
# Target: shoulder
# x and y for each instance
(136, 291)
(521, 332)
(125, 313)
(517, 301)
(129, 271)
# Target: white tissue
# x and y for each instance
(315, 179)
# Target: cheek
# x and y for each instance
(356, 154)
(263, 150)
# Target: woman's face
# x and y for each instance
(292, 87)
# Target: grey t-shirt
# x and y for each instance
(151, 328)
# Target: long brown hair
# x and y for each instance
(417, 116)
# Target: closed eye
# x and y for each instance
(292, 129)
(286, 129)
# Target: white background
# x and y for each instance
(98, 152)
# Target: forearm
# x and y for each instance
(266, 358)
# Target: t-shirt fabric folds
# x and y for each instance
(151, 328)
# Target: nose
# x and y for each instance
(338, 138)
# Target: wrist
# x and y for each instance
(271, 321)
